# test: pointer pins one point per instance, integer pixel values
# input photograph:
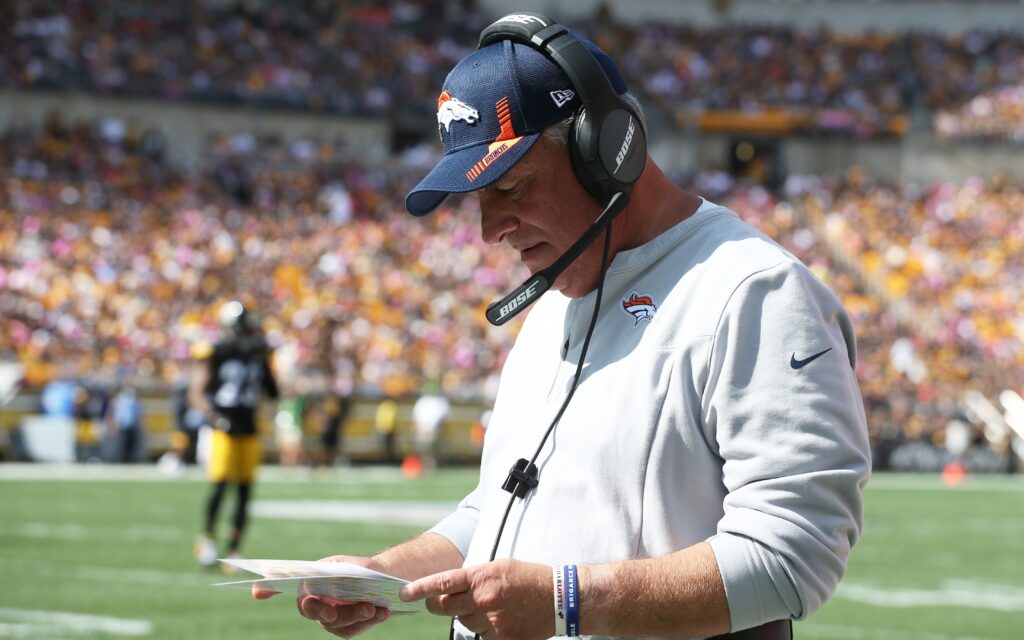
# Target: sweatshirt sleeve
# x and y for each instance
(459, 525)
(783, 408)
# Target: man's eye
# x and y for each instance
(512, 194)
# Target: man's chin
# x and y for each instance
(563, 283)
(560, 282)
(571, 286)
(534, 265)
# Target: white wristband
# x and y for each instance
(558, 583)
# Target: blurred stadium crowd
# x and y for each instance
(361, 58)
(116, 262)
(113, 260)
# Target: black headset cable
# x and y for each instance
(561, 410)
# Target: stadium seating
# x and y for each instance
(113, 259)
(388, 61)
(115, 263)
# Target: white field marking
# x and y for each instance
(271, 473)
(45, 530)
(991, 526)
(87, 472)
(399, 512)
(952, 593)
(36, 623)
(849, 632)
(385, 474)
(77, 532)
(933, 482)
(150, 577)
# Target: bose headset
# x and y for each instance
(607, 142)
(608, 147)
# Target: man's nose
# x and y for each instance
(496, 222)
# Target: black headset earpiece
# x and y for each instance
(608, 151)
(607, 142)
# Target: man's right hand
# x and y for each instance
(343, 619)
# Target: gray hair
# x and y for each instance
(559, 132)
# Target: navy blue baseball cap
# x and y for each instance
(493, 107)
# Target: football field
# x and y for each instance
(105, 552)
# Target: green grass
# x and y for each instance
(117, 543)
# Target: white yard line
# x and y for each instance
(77, 532)
(150, 473)
(89, 472)
(150, 577)
(849, 632)
(933, 482)
(395, 512)
(36, 623)
(952, 593)
(383, 474)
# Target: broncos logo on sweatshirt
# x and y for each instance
(641, 307)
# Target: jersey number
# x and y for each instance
(239, 384)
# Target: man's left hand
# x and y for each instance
(501, 599)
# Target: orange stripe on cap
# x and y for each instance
(505, 140)
(505, 118)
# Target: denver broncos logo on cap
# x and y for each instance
(450, 109)
(505, 140)
(641, 307)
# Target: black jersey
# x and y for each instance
(238, 379)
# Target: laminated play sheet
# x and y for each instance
(337, 580)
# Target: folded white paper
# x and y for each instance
(341, 581)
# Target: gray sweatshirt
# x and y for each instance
(718, 402)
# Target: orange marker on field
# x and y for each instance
(412, 466)
(953, 474)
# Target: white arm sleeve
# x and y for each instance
(459, 525)
(793, 439)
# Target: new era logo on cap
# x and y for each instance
(493, 107)
(562, 96)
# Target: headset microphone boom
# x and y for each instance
(607, 143)
(500, 312)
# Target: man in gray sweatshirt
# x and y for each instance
(684, 385)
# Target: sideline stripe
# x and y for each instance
(35, 623)
(77, 532)
(267, 473)
(933, 482)
(394, 512)
(149, 577)
(385, 474)
(848, 632)
(952, 593)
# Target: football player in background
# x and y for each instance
(228, 381)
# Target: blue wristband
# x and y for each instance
(572, 600)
